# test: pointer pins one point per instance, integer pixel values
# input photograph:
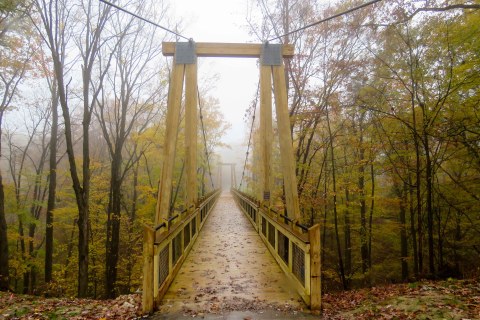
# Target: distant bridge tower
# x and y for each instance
(233, 176)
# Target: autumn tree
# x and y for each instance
(15, 55)
(130, 112)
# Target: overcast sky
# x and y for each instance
(223, 21)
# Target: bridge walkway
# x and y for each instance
(228, 269)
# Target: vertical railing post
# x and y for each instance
(315, 268)
(148, 270)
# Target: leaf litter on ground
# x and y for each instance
(451, 299)
(18, 306)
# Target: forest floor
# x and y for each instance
(453, 299)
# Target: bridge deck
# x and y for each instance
(229, 268)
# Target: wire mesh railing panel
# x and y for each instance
(176, 248)
(283, 247)
(186, 235)
(163, 265)
(298, 263)
(271, 234)
(264, 227)
(194, 226)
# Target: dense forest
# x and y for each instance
(385, 113)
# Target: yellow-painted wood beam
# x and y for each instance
(234, 50)
(286, 146)
(191, 126)
(173, 116)
(266, 133)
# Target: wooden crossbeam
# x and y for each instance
(234, 50)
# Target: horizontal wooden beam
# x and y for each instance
(234, 50)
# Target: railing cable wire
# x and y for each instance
(250, 136)
(205, 139)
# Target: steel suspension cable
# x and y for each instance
(326, 19)
(144, 19)
(250, 137)
(205, 139)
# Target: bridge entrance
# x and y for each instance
(295, 247)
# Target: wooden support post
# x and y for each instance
(191, 116)
(220, 177)
(315, 268)
(286, 145)
(173, 117)
(266, 133)
(148, 253)
(233, 175)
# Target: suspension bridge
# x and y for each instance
(249, 251)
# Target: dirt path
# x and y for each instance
(229, 269)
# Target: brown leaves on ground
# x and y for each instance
(16, 306)
(453, 299)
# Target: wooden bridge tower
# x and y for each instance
(233, 176)
(271, 70)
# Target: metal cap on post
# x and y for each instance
(185, 52)
(271, 54)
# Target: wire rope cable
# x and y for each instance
(325, 20)
(250, 137)
(144, 19)
(205, 139)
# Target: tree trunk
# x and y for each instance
(403, 232)
(415, 136)
(441, 236)
(363, 205)
(347, 236)
(4, 266)
(429, 190)
(412, 227)
(113, 226)
(52, 188)
(32, 273)
(324, 225)
(132, 217)
(23, 250)
(335, 213)
(370, 221)
(418, 179)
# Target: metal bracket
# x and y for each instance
(185, 52)
(271, 54)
